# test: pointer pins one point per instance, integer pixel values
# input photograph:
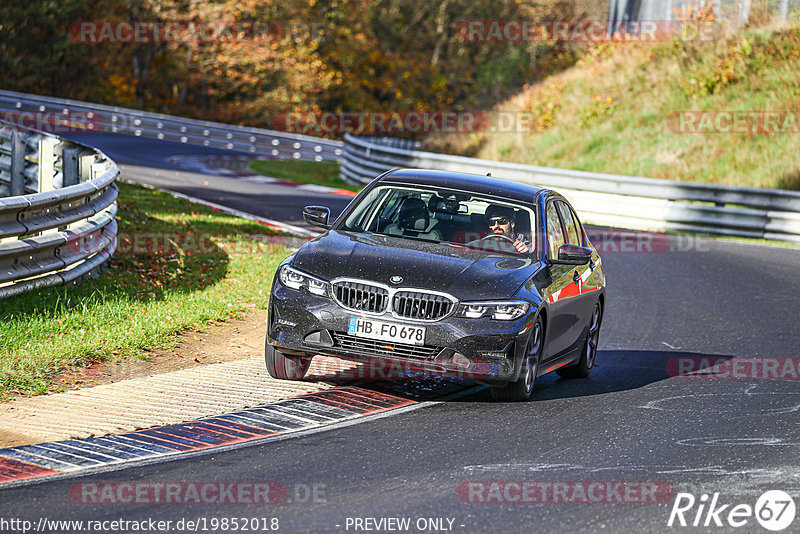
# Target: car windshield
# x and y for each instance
(444, 216)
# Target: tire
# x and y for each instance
(522, 389)
(285, 367)
(589, 352)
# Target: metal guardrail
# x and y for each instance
(603, 199)
(108, 119)
(57, 210)
(606, 199)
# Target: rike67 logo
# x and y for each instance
(774, 510)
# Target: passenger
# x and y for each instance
(501, 221)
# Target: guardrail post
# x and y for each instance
(70, 171)
(47, 147)
(85, 168)
(17, 164)
(69, 168)
(98, 169)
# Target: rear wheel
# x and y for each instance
(585, 364)
(522, 389)
(285, 367)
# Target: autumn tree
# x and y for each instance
(333, 55)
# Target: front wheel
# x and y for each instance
(522, 389)
(285, 367)
(585, 364)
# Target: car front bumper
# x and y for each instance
(481, 349)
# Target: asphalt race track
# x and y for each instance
(147, 161)
(632, 427)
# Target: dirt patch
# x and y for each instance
(232, 340)
(11, 438)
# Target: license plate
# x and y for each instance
(392, 332)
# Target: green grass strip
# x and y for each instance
(304, 172)
(178, 265)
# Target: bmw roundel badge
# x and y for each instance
(396, 279)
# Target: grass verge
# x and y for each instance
(178, 265)
(304, 172)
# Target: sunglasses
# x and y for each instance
(501, 220)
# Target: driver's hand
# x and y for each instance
(521, 247)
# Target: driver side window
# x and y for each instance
(555, 234)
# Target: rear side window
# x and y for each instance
(578, 227)
(555, 235)
(573, 234)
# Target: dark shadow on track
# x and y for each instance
(624, 370)
(615, 371)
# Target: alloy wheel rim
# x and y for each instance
(594, 334)
(532, 357)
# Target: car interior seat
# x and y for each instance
(414, 221)
(451, 221)
(523, 226)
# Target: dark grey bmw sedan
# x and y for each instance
(451, 273)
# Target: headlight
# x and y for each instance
(502, 311)
(294, 279)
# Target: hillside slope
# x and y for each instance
(664, 110)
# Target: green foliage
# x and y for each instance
(616, 111)
(599, 106)
(505, 150)
(36, 53)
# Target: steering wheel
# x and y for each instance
(491, 236)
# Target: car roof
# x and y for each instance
(487, 185)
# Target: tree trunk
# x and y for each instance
(441, 20)
(744, 13)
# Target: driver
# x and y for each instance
(501, 220)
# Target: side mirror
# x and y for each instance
(574, 255)
(317, 216)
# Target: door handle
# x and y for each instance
(576, 278)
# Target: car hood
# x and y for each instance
(467, 275)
